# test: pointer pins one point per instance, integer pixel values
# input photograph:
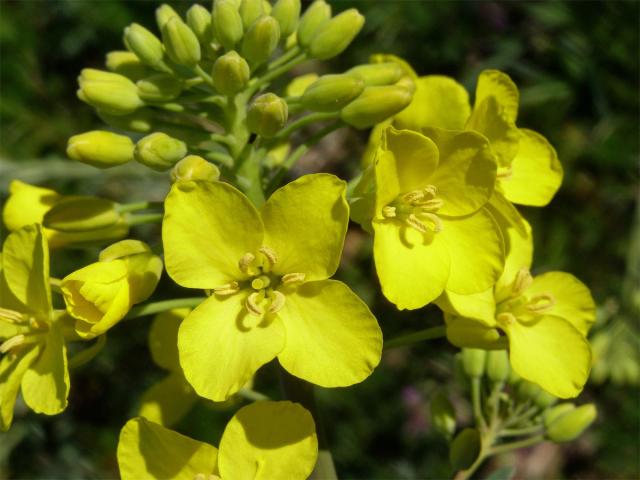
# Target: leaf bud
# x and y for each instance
(146, 46)
(261, 40)
(331, 93)
(553, 413)
(138, 121)
(318, 13)
(230, 73)
(571, 424)
(127, 64)
(464, 449)
(108, 91)
(180, 42)
(227, 23)
(81, 214)
(100, 148)
(250, 11)
(193, 167)
(267, 115)
(473, 362)
(443, 416)
(287, 13)
(164, 13)
(498, 365)
(375, 74)
(159, 151)
(375, 105)
(335, 35)
(199, 20)
(160, 87)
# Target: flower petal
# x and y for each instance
(148, 450)
(12, 370)
(305, 224)
(27, 204)
(494, 83)
(536, 172)
(468, 333)
(163, 338)
(438, 101)
(551, 353)
(168, 401)
(207, 228)
(413, 270)
(333, 339)
(269, 440)
(219, 352)
(477, 306)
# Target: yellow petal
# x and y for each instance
(375, 138)
(12, 370)
(493, 83)
(267, 441)
(413, 269)
(220, 349)
(207, 228)
(168, 401)
(305, 225)
(438, 101)
(536, 172)
(478, 306)
(147, 450)
(143, 274)
(468, 333)
(163, 338)
(27, 204)
(333, 340)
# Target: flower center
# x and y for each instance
(205, 476)
(29, 329)
(417, 209)
(520, 306)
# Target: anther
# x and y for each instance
(270, 255)
(522, 281)
(414, 222)
(433, 219)
(227, 289)
(260, 282)
(506, 319)
(277, 301)
(252, 304)
(432, 204)
(290, 278)
(413, 196)
(541, 303)
(245, 263)
(388, 211)
(11, 316)
(13, 342)
(504, 172)
(431, 190)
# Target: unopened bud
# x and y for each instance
(180, 42)
(443, 416)
(100, 148)
(552, 414)
(498, 365)
(250, 11)
(161, 87)
(378, 73)
(81, 214)
(287, 13)
(110, 92)
(139, 121)
(146, 46)
(299, 85)
(335, 35)
(375, 105)
(331, 93)
(544, 400)
(194, 167)
(127, 64)
(318, 13)
(261, 40)
(164, 13)
(199, 20)
(230, 73)
(123, 248)
(267, 115)
(227, 23)
(473, 362)
(159, 151)
(464, 449)
(572, 424)
(527, 391)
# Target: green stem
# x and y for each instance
(507, 447)
(252, 395)
(144, 218)
(476, 400)
(416, 337)
(301, 122)
(56, 284)
(257, 83)
(284, 58)
(204, 75)
(133, 207)
(517, 432)
(163, 306)
(522, 417)
(85, 356)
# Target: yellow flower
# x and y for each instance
(268, 272)
(263, 441)
(34, 357)
(102, 293)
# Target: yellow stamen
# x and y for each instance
(541, 303)
(270, 255)
(227, 289)
(246, 262)
(506, 319)
(11, 316)
(413, 196)
(433, 219)
(414, 222)
(290, 278)
(522, 282)
(504, 172)
(277, 301)
(252, 303)
(388, 211)
(12, 343)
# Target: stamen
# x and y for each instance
(506, 319)
(11, 316)
(277, 301)
(414, 222)
(504, 172)
(432, 204)
(522, 282)
(227, 289)
(252, 303)
(413, 196)
(260, 282)
(12, 343)
(270, 255)
(245, 263)
(433, 219)
(541, 303)
(290, 278)
(388, 211)
(431, 190)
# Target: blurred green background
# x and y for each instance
(577, 65)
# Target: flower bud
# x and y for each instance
(261, 40)
(194, 167)
(180, 42)
(160, 87)
(287, 13)
(375, 105)
(331, 93)
(111, 92)
(570, 425)
(552, 414)
(164, 13)
(250, 11)
(544, 400)
(473, 362)
(199, 20)
(335, 35)
(318, 13)
(378, 73)
(299, 85)
(464, 449)
(139, 121)
(227, 23)
(527, 391)
(443, 417)
(146, 46)
(81, 214)
(267, 115)
(100, 295)
(159, 151)
(230, 73)
(126, 64)
(498, 365)
(100, 148)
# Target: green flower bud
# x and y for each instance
(287, 13)
(161, 87)
(159, 151)
(146, 46)
(318, 13)
(81, 214)
(527, 391)
(464, 449)
(473, 362)
(375, 105)
(570, 425)
(443, 415)
(194, 167)
(335, 35)
(110, 92)
(180, 42)
(261, 40)
(199, 20)
(378, 73)
(230, 73)
(164, 13)
(227, 23)
(267, 115)
(498, 365)
(139, 121)
(331, 93)
(127, 64)
(514, 378)
(299, 85)
(554, 413)
(250, 11)
(544, 400)
(100, 148)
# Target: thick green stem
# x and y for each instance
(163, 306)
(144, 218)
(416, 337)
